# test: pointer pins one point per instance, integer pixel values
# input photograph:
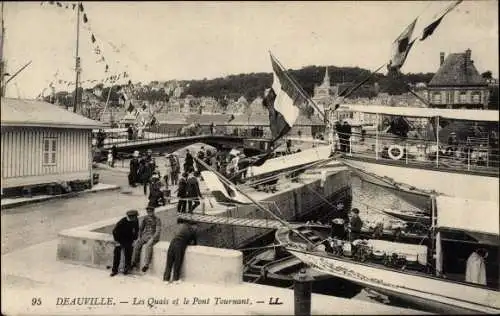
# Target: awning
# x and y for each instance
(472, 216)
(461, 114)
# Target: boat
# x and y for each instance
(394, 162)
(408, 216)
(430, 276)
(272, 267)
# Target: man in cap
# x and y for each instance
(149, 235)
(124, 234)
(134, 170)
(355, 224)
(186, 235)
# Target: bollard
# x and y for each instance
(302, 293)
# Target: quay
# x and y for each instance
(50, 281)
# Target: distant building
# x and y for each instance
(42, 144)
(323, 93)
(457, 84)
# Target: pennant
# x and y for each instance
(429, 29)
(51, 2)
(67, 7)
(282, 101)
(107, 68)
(92, 38)
(59, 4)
(401, 46)
(80, 6)
(85, 20)
(74, 6)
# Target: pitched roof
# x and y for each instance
(455, 71)
(18, 112)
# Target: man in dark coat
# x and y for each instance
(185, 236)
(147, 168)
(188, 161)
(125, 233)
(193, 192)
(181, 194)
(200, 155)
(114, 154)
(355, 224)
(156, 196)
(134, 170)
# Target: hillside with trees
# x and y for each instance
(253, 85)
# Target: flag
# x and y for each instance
(401, 46)
(74, 6)
(429, 29)
(85, 20)
(282, 101)
(92, 38)
(80, 6)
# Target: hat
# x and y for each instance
(132, 213)
(150, 207)
(136, 153)
(355, 210)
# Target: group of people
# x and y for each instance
(130, 237)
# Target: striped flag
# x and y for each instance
(283, 101)
(401, 47)
(429, 29)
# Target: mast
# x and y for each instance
(2, 63)
(77, 58)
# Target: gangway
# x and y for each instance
(233, 221)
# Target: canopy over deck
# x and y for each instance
(468, 115)
(478, 218)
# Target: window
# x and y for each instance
(49, 151)
(463, 97)
(436, 97)
(476, 97)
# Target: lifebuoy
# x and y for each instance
(392, 155)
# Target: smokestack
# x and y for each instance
(441, 58)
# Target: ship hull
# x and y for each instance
(424, 292)
(448, 182)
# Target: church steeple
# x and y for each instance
(326, 79)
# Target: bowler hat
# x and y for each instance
(132, 213)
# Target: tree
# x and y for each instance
(487, 75)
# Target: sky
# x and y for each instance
(196, 40)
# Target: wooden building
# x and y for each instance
(42, 144)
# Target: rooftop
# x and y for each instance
(458, 70)
(19, 112)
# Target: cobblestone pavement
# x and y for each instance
(35, 223)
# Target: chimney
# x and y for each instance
(441, 58)
(467, 60)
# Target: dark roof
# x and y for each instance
(18, 112)
(456, 72)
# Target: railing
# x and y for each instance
(476, 154)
